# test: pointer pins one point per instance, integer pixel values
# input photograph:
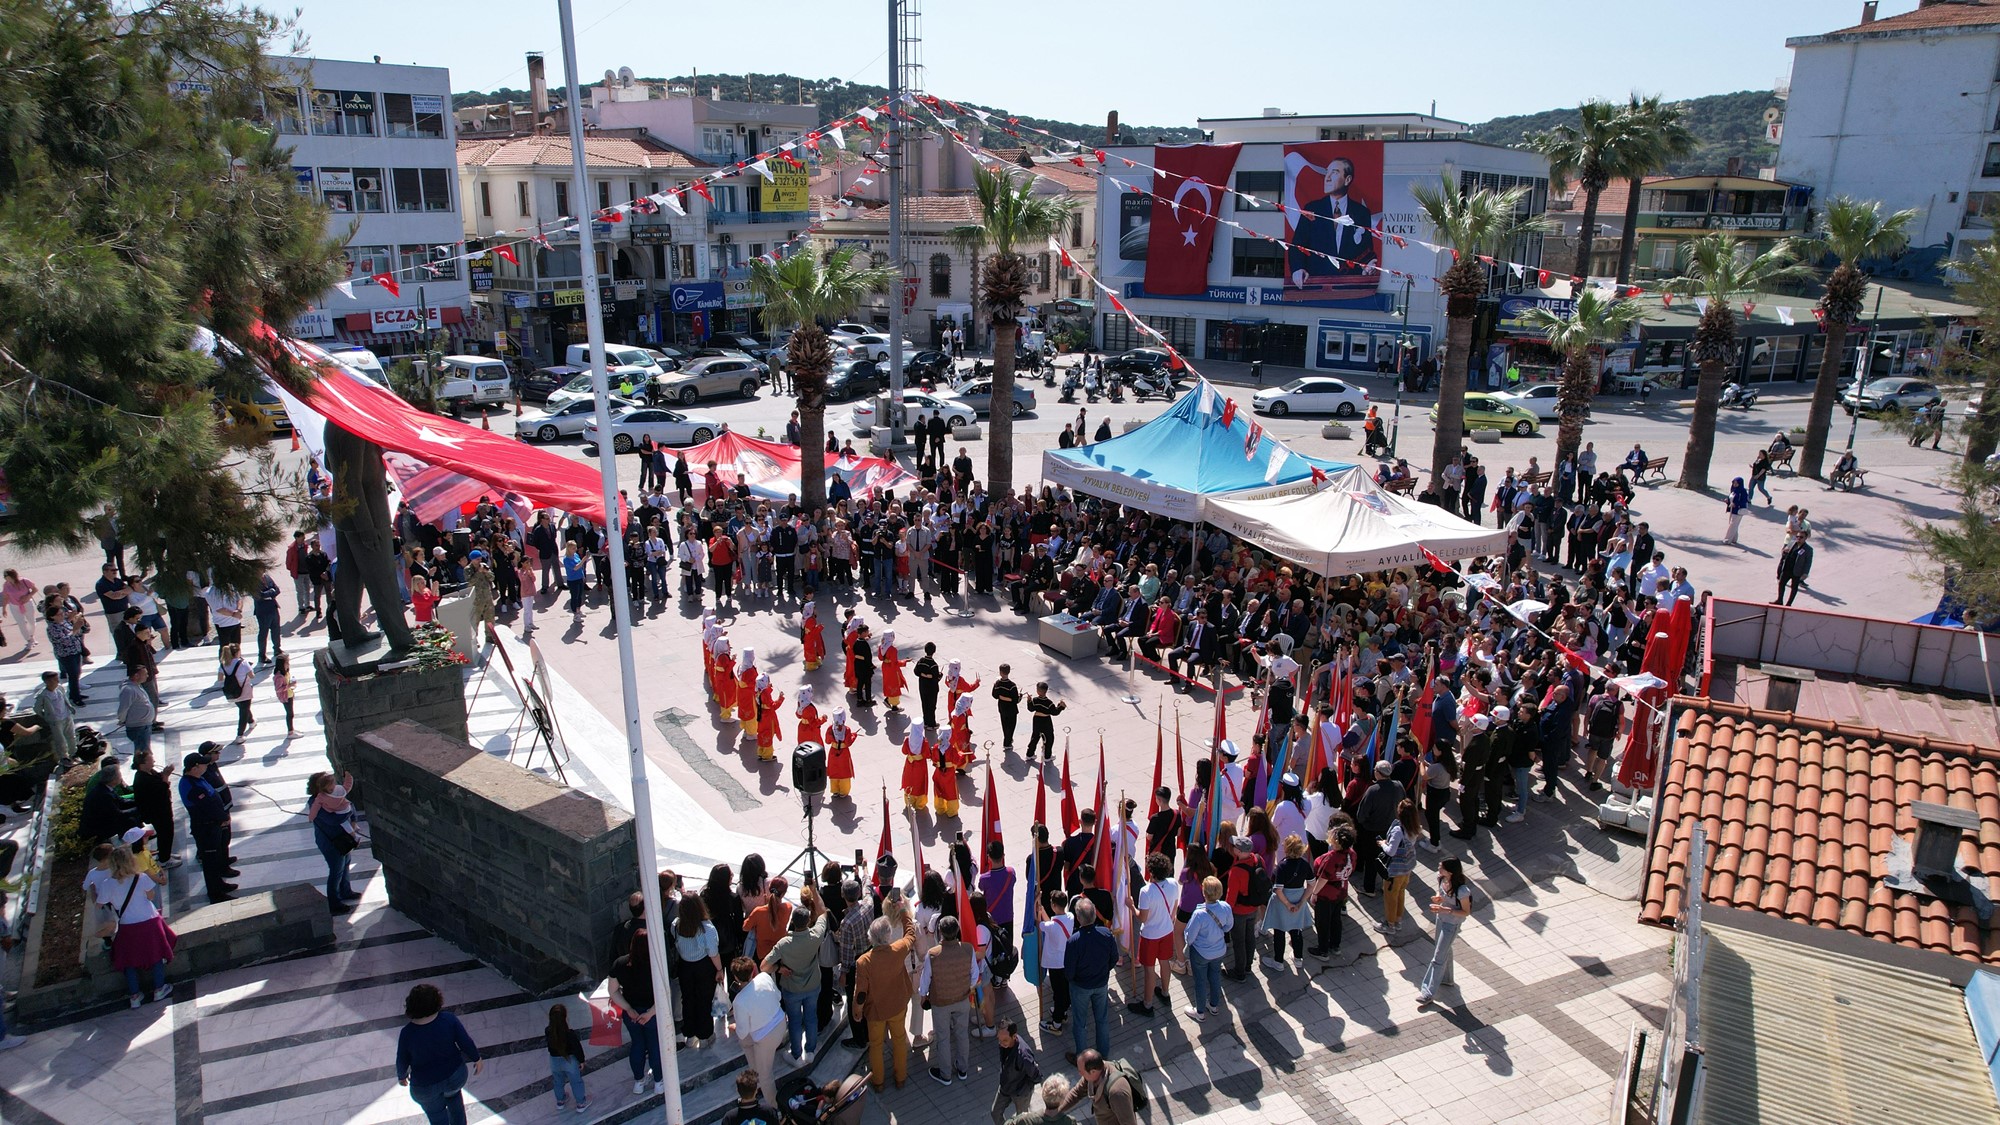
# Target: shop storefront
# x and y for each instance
(1255, 340)
(1180, 331)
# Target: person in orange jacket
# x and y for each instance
(746, 692)
(916, 769)
(809, 722)
(814, 639)
(892, 671)
(839, 754)
(768, 730)
(944, 782)
(956, 685)
(722, 678)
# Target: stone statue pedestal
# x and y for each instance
(364, 659)
(354, 703)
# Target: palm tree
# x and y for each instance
(1977, 283)
(1660, 135)
(1599, 148)
(1011, 215)
(1469, 224)
(1714, 271)
(798, 291)
(1852, 231)
(1596, 320)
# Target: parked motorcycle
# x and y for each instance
(1740, 397)
(1115, 389)
(1149, 385)
(1069, 388)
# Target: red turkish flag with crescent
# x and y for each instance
(1188, 187)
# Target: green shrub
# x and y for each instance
(66, 833)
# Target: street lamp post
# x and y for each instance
(1402, 357)
(1863, 368)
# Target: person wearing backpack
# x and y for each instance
(1249, 889)
(1113, 1087)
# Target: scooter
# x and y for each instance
(1147, 385)
(1090, 387)
(1742, 398)
(1049, 376)
(1069, 388)
(1115, 389)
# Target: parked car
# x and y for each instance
(264, 413)
(668, 359)
(665, 427)
(615, 355)
(875, 345)
(1543, 400)
(1314, 395)
(849, 328)
(1889, 395)
(1486, 412)
(852, 378)
(1141, 361)
(709, 376)
(917, 407)
(474, 380)
(978, 394)
(933, 365)
(566, 420)
(579, 388)
(539, 384)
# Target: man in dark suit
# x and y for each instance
(1794, 564)
(1199, 644)
(1319, 228)
(1132, 621)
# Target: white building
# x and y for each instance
(648, 265)
(1904, 110)
(1250, 310)
(374, 142)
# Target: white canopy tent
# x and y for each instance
(1352, 529)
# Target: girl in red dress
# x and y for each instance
(956, 685)
(815, 639)
(916, 769)
(746, 692)
(839, 754)
(809, 725)
(959, 757)
(768, 731)
(892, 671)
(944, 780)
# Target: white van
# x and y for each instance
(360, 359)
(474, 380)
(615, 356)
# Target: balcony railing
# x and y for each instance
(735, 218)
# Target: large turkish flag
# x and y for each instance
(1188, 190)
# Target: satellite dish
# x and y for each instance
(610, 76)
(1772, 115)
(625, 76)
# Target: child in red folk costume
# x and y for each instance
(944, 779)
(839, 753)
(916, 769)
(815, 639)
(809, 722)
(722, 678)
(958, 756)
(746, 692)
(892, 671)
(768, 731)
(956, 685)
(851, 626)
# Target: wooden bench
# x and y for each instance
(1782, 459)
(1401, 487)
(1535, 479)
(1657, 467)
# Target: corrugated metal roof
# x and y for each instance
(1798, 1036)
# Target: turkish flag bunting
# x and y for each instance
(1319, 475)
(1632, 291)
(1666, 300)
(1228, 411)
(1437, 564)
(1188, 182)
(1542, 278)
(388, 281)
(701, 189)
(367, 411)
(505, 251)
(1251, 438)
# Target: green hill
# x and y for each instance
(1724, 125)
(837, 98)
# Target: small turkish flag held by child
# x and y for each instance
(605, 1026)
(388, 281)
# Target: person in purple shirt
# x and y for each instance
(998, 884)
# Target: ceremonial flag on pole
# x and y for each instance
(989, 823)
(1031, 932)
(1070, 821)
(1387, 742)
(1420, 719)
(1041, 800)
(917, 847)
(887, 845)
(1105, 845)
(968, 929)
(1159, 763)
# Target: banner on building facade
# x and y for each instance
(787, 189)
(1187, 196)
(1332, 194)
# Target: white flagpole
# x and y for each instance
(621, 604)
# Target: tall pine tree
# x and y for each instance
(137, 204)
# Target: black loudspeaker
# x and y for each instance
(809, 768)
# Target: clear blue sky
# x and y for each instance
(1164, 62)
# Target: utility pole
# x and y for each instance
(1403, 350)
(1864, 368)
(621, 601)
(894, 167)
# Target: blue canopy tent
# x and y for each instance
(1173, 464)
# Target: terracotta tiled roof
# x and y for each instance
(599, 152)
(1800, 813)
(1066, 174)
(1945, 13)
(941, 209)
